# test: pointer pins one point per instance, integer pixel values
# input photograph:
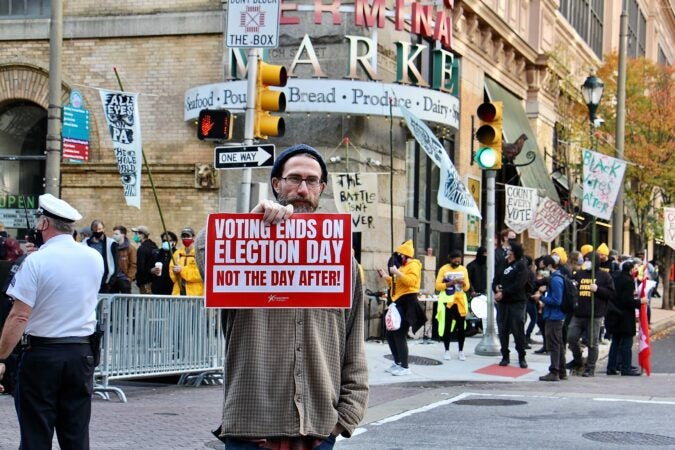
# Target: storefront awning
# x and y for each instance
(515, 123)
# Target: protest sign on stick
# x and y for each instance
(521, 204)
(551, 219)
(669, 227)
(603, 177)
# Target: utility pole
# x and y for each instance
(489, 344)
(244, 198)
(617, 216)
(53, 145)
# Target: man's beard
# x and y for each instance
(300, 205)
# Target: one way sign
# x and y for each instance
(247, 156)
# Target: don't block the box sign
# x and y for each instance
(303, 262)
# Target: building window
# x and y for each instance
(425, 220)
(585, 16)
(637, 30)
(662, 58)
(15, 9)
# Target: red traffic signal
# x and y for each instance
(214, 125)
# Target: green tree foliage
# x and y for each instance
(649, 138)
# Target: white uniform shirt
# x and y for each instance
(60, 282)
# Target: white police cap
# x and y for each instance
(56, 208)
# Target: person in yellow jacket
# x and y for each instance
(452, 283)
(183, 267)
(404, 280)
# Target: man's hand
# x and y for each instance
(177, 269)
(394, 271)
(593, 287)
(337, 430)
(273, 213)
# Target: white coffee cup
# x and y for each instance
(159, 265)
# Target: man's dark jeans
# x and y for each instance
(555, 345)
(511, 320)
(620, 353)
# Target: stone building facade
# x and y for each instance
(166, 49)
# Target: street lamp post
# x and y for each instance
(592, 92)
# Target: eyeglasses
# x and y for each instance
(296, 180)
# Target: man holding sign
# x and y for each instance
(294, 378)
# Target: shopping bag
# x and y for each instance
(392, 319)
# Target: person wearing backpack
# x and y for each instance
(554, 318)
(594, 294)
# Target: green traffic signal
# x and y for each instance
(489, 134)
(486, 157)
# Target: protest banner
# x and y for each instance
(452, 194)
(124, 124)
(549, 221)
(302, 262)
(669, 227)
(356, 194)
(521, 204)
(603, 177)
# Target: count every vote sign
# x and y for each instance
(302, 262)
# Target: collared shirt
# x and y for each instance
(293, 372)
(60, 282)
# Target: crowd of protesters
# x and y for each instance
(133, 262)
(577, 300)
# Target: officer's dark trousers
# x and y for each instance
(54, 388)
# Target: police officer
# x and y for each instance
(55, 295)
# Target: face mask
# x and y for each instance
(556, 258)
(137, 238)
(97, 235)
(545, 273)
(165, 246)
(118, 238)
(187, 242)
(586, 265)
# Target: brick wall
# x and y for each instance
(124, 7)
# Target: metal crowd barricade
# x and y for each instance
(157, 335)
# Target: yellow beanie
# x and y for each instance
(603, 249)
(562, 253)
(406, 249)
(586, 249)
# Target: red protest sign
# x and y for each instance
(303, 262)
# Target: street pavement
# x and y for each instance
(164, 416)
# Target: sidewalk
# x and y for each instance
(427, 364)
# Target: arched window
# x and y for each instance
(23, 136)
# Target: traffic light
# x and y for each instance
(489, 134)
(214, 125)
(267, 100)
